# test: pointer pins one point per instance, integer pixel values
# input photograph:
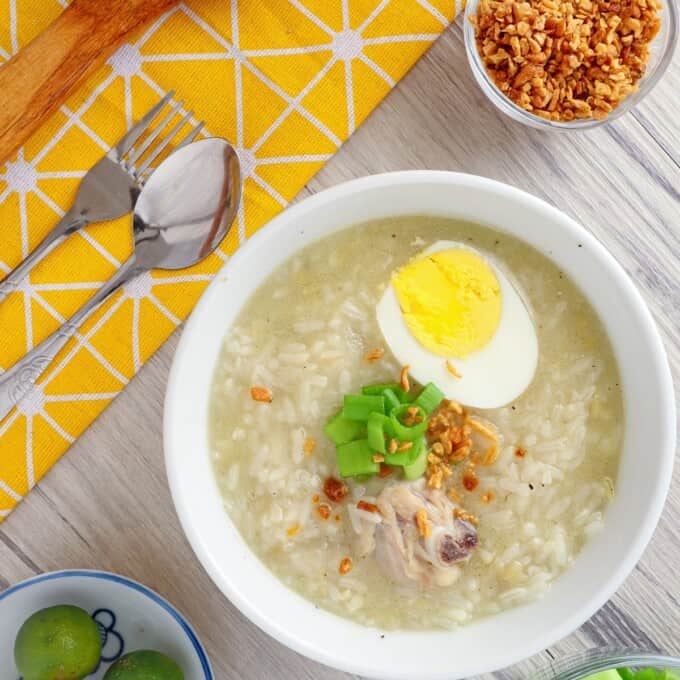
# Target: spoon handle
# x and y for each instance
(68, 223)
(17, 381)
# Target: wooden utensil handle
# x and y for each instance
(37, 80)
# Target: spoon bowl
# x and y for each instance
(187, 206)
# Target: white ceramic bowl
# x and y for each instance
(498, 641)
(129, 616)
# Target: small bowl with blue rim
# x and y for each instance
(129, 616)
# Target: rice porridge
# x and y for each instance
(505, 497)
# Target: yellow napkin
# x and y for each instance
(285, 80)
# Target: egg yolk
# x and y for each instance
(450, 300)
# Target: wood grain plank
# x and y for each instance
(15, 565)
(657, 114)
(106, 505)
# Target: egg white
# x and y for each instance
(491, 377)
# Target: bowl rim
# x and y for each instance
(582, 665)
(155, 598)
(503, 103)
(270, 621)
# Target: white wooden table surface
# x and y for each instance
(106, 505)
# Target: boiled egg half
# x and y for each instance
(456, 320)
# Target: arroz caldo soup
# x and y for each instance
(417, 422)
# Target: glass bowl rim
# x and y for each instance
(579, 666)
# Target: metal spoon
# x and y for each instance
(182, 215)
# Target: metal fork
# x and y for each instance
(110, 189)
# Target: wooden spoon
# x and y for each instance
(36, 81)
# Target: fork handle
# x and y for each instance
(35, 82)
(69, 223)
(17, 381)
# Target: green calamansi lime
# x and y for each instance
(144, 665)
(57, 643)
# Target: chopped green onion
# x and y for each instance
(609, 675)
(404, 396)
(360, 406)
(408, 433)
(378, 426)
(429, 398)
(389, 428)
(391, 399)
(379, 388)
(340, 430)
(403, 458)
(368, 421)
(416, 469)
(647, 674)
(397, 459)
(356, 458)
(631, 674)
(376, 434)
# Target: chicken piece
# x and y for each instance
(364, 524)
(404, 553)
(364, 543)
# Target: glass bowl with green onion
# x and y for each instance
(611, 664)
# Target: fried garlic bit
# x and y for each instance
(345, 565)
(261, 394)
(374, 355)
(403, 379)
(452, 370)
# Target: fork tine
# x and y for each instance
(192, 135)
(161, 147)
(126, 143)
(137, 153)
